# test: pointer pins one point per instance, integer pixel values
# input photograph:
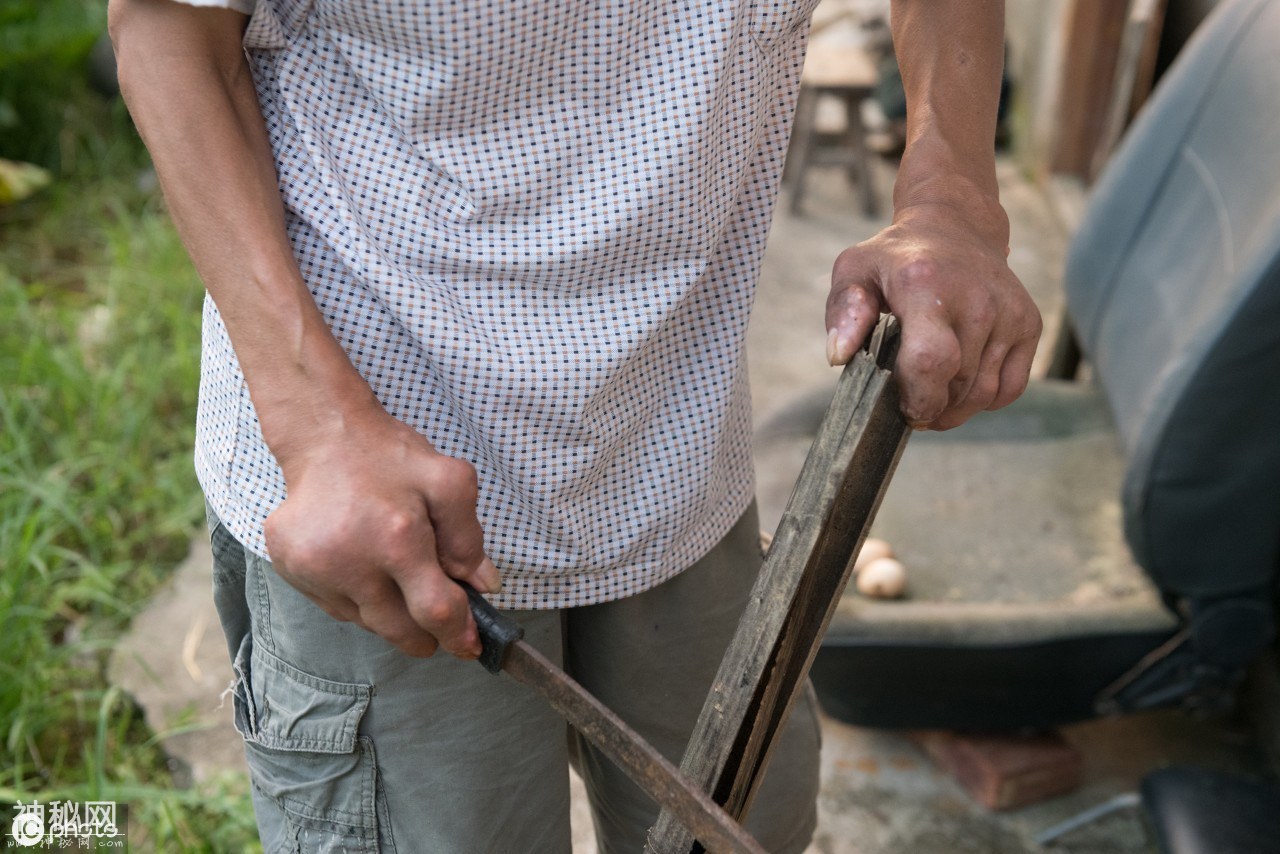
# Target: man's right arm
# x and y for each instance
(376, 522)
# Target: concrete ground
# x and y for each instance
(880, 793)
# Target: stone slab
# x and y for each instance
(173, 661)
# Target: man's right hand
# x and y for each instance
(375, 529)
(377, 524)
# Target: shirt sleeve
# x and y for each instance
(245, 6)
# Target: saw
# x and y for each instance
(505, 650)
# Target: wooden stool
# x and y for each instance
(847, 73)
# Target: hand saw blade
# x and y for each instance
(505, 650)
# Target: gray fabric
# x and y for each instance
(353, 746)
(1174, 287)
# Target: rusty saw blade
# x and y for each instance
(505, 650)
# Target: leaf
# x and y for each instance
(20, 180)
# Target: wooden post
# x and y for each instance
(1094, 32)
(1107, 71)
(809, 562)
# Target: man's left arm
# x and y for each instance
(969, 328)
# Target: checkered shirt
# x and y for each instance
(536, 228)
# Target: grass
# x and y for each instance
(99, 355)
(43, 49)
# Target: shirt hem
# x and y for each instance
(534, 591)
(540, 591)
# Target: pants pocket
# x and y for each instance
(228, 585)
(314, 776)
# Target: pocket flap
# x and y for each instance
(293, 710)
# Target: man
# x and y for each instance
(479, 276)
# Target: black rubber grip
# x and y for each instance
(497, 631)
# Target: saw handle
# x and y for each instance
(497, 631)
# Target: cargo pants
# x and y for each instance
(354, 746)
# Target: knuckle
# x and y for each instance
(305, 550)
(399, 525)
(834, 297)
(850, 258)
(918, 273)
(931, 357)
(1026, 320)
(464, 554)
(982, 311)
(453, 476)
(436, 612)
(334, 532)
(846, 297)
(463, 478)
(304, 559)
(1035, 324)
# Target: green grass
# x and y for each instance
(44, 49)
(99, 355)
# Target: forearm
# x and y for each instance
(951, 54)
(969, 328)
(188, 87)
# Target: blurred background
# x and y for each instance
(110, 663)
(99, 357)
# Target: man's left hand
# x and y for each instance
(969, 327)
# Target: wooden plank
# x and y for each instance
(808, 565)
(881, 438)
(1135, 68)
(1095, 29)
(1145, 78)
